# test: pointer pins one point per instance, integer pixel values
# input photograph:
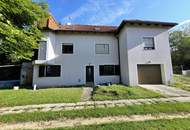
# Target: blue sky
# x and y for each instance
(112, 12)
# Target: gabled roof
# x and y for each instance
(53, 25)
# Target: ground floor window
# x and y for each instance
(108, 70)
(49, 71)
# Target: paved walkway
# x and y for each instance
(87, 94)
(88, 104)
(167, 91)
(88, 121)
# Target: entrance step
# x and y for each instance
(89, 84)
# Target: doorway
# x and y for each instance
(89, 74)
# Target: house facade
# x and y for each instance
(136, 52)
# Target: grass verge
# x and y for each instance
(42, 96)
(115, 92)
(174, 124)
(181, 81)
(98, 112)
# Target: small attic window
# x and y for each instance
(148, 43)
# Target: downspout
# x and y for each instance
(119, 58)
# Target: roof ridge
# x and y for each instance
(87, 25)
(53, 25)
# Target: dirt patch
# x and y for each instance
(88, 121)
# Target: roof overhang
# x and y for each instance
(146, 23)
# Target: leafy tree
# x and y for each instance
(20, 23)
(180, 44)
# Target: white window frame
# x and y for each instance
(149, 48)
(106, 53)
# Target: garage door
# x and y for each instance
(149, 74)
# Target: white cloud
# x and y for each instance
(100, 11)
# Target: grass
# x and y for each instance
(174, 124)
(115, 92)
(42, 96)
(181, 81)
(97, 112)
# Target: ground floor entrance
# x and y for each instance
(89, 74)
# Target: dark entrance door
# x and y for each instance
(89, 73)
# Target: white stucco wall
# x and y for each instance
(123, 56)
(137, 55)
(73, 66)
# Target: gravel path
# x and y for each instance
(89, 121)
(167, 91)
(88, 104)
(87, 93)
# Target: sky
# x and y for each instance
(112, 12)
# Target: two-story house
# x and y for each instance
(135, 52)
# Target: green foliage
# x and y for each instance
(180, 44)
(42, 96)
(181, 81)
(115, 92)
(20, 22)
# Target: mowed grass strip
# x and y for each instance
(181, 81)
(117, 91)
(41, 96)
(174, 124)
(98, 112)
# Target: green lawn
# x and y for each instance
(181, 81)
(115, 92)
(42, 96)
(97, 112)
(175, 124)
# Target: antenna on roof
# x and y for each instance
(69, 19)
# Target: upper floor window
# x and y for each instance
(102, 48)
(109, 70)
(35, 54)
(149, 43)
(49, 70)
(67, 48)
(42, 50)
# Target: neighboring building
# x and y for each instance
(136, 52)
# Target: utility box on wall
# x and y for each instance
(186, 73)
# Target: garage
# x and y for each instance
(149, 74)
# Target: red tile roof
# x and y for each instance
(88, 28)
(53, 25)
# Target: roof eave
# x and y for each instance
(148, 23)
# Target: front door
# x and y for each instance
(89, 73)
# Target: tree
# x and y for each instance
(180, 45)
(20, 24)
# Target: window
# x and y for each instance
(148, 43)
(102, 48)
(35, 54)
(106, 70)
(67, 48)
(49, 71)
(42, 50)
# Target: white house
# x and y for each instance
(136, 52)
